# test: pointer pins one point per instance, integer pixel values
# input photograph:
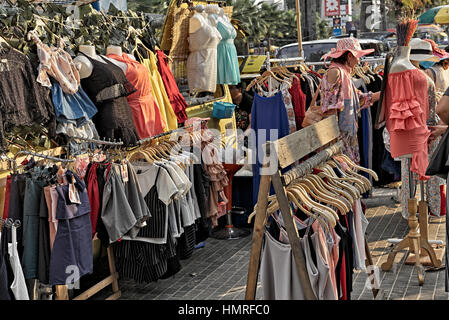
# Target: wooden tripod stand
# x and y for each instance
(415, 240)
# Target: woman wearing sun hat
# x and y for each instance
(339, 94)
(438, 69)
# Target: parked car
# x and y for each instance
(314, 50)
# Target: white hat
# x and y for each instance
(421, 51)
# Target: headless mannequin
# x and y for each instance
(118, 51)
(83, 64)
(224, 18)
(194, 23)
(212, 11)
(402, 63)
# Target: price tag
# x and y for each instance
(124, 171)
(73, 193)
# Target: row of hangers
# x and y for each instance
(163, 148)
(280, 73)
(320, 195)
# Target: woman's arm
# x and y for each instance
(367, 99)
(443, 109)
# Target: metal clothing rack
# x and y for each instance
(142, 141)
(39, 155)
(96, 141)
(8, 223)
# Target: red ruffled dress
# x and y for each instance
(406, 112)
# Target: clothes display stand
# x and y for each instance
(287, 151)
(417, 240)
(62, 290)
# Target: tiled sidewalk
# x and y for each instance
(219, 270)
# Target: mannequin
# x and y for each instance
(212, 11)
(83, 64)
(202, 61)
(114, 50)
(118, 51)
(402, 61)
(194, 22)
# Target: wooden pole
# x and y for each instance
(298, 26)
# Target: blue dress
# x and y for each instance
(228, 71)
(269, 122)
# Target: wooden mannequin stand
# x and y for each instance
(414, 240)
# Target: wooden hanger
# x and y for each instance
(317, 194)
(297, 192)
(302, 194)
(335, 192)
(294, 196)
(346, 159)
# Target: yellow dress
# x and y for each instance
(165, 108)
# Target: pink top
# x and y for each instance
(406, 112)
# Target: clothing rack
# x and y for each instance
(8, 223)
(283, 153)
(112, 279)
(100, 142)
(307, 166)
(39, 155)
(142, 141)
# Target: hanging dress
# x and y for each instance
(144, 107)
(228, 71)
(267, 113)
(177, 100)
(433, 192)
(202, 60)
(165, 108)
(108, 87)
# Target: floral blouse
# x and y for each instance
(349, 101)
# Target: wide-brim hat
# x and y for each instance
(421, 50)
(439, 53)
(347, 44)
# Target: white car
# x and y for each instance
(314, 50)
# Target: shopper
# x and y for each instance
(439, 72)
(244, 103)
(338, 93)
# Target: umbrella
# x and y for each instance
(438, 15)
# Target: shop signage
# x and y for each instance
(331, 8)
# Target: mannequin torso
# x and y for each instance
(83, 64)
(118, 51)
(402, 61)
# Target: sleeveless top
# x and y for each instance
(145, 110)
(108, 87)
(202, 60)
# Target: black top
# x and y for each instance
(247, 102)
(22, 101)
(108, 87)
